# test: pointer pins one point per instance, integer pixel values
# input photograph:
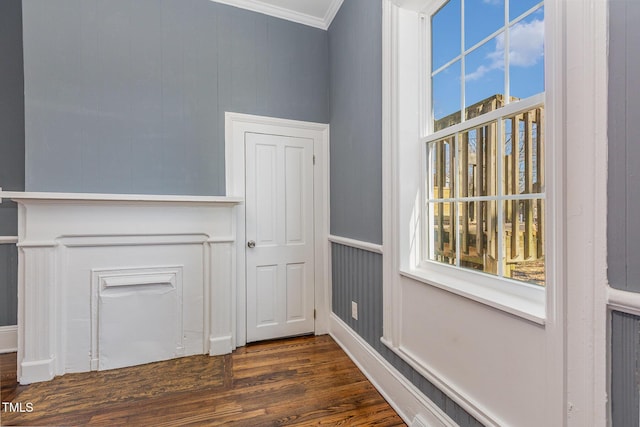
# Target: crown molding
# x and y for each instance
(334, 7)
(287, 14)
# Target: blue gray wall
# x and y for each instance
(11, 148)
(624, 149)
(623, 223)
(355, 56)
(355, 40)
(128, 96)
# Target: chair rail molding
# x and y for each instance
(164, 265)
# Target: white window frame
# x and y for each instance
(521, 299)
(518, 298)
(575, 171)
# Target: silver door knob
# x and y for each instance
(251, 244)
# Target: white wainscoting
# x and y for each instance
(107, 281)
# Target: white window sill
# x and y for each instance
(519, 299)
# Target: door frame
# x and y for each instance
(236, 126)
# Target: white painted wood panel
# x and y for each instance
(265, 184)
(138, 316)
(280, 279)
(294, 195)
(295, 292)
(266, 287)
(162, 274)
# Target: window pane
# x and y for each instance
(442, 163)
(518, 7)
(524, 153)
(445, 34)
(442, 246)
(478, 229)
(526, 56)
(524, 242)
(478, 161)
(481, 19)
(484, 75)
(446, 97)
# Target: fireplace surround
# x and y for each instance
(107, 281)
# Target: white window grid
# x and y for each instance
(465, 52)
(499, 116)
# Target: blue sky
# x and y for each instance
(484, 73)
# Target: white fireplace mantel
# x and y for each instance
(111, 280)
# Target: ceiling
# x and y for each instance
(315, 13)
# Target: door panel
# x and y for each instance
(279, 219)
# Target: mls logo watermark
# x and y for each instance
(17, 407)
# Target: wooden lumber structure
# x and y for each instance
(465, 166)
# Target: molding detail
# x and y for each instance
(625, 301)
(332, 11)
(36, 314)
(18, 196)
(8, 339)
(287, 14)
(8, 240)
(403, 396)
(220, 345)
(86, 261)
(358, 244)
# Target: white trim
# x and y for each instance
(398, 125)
(220, 345)
(44, 196)
(520, 299)
(625, 301)
(402, 395)
(358, 244)
(466, 402)
(53, 237)
(36, 371)
(8, 240)
(585, 31)
(8, 339)
(332, 11)
(555, 81)
(236, 125)
(287, 14)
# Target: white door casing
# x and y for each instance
(279, 233)
(237, 126)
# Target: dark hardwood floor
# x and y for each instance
(297, 381)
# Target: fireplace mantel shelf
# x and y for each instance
(20, 196)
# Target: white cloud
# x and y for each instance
(526, 48)
(526, 43)
(478, 73)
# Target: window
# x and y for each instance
(485, 189)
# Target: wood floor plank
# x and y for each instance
(294, 382)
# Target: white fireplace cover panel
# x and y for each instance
(139, 316)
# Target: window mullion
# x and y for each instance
(456, 172)
(507, 84)
(462, 64)
(500, 192)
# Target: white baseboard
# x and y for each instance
(220, 345)
(36, 371)
(8, 339)
(412, 406)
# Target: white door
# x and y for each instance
(279, 233)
